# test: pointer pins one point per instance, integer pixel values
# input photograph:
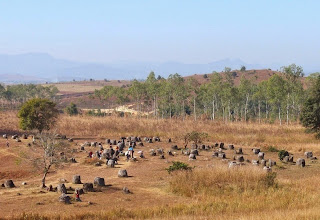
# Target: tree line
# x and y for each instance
(12, 96)
(278, 98)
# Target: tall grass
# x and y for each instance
(220, 180)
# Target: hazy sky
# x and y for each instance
(197, 31)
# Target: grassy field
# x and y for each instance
(210, 191)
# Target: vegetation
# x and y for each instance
(72, 109)
(220, 180)
(195, 137)
(282, 154)
(177, 165)
(278, 98)
(39, 114)
(12, 96)
(310, 116)
(48, 153)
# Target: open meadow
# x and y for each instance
(210, 191)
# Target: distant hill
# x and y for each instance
(41, 67)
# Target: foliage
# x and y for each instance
(243, 68)
(272, 149)
(281, 96)
(72, 109)
(310, 115)
(195, 137)
(98, 113)
(47, 153)
(282, 154)
(39, 114)
(177, 165)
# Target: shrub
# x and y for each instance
(178, 166)
(282, 154)
(272, 149)
(72, 109)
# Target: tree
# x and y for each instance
(310, 114)
(72, 109)
(48, 152)
(39, 114)
(243, 69)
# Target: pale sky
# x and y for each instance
(189, 31)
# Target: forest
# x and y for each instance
(279, 98)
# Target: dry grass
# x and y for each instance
(220, 180)
(210, 191)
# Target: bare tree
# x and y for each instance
(49, 151)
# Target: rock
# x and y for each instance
(9, 184)
(61, 188)
(222, 155)
(24, 183)
(240, 151)
(76, 179)
(169, 152)
(152, 152)
(255, 150)
(240, 158)
(272, 163)
(308, 154)
(260, 155)
(161, 156)
(267, 169)
(111, 163)
(98, 164)
(64, 198)
(80, 190)
(122, 173)
(287, 159)
(70, 139)
(255, 162)
(99, 181)
(159, 151)
(215, 154)
(88, 187)
(174, 147)
(192, 157)
(126, 190)
(233, 164)
(230, 146)
(301, 162)
(195, 152)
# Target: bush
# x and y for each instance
(38, 114)
(272, 149)
(178, 166)
(282, 154)
(72, 109)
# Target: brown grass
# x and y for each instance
(210, 191)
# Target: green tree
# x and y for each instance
(72, 109)
(310, 114)
(243, 69)
(38, 114)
